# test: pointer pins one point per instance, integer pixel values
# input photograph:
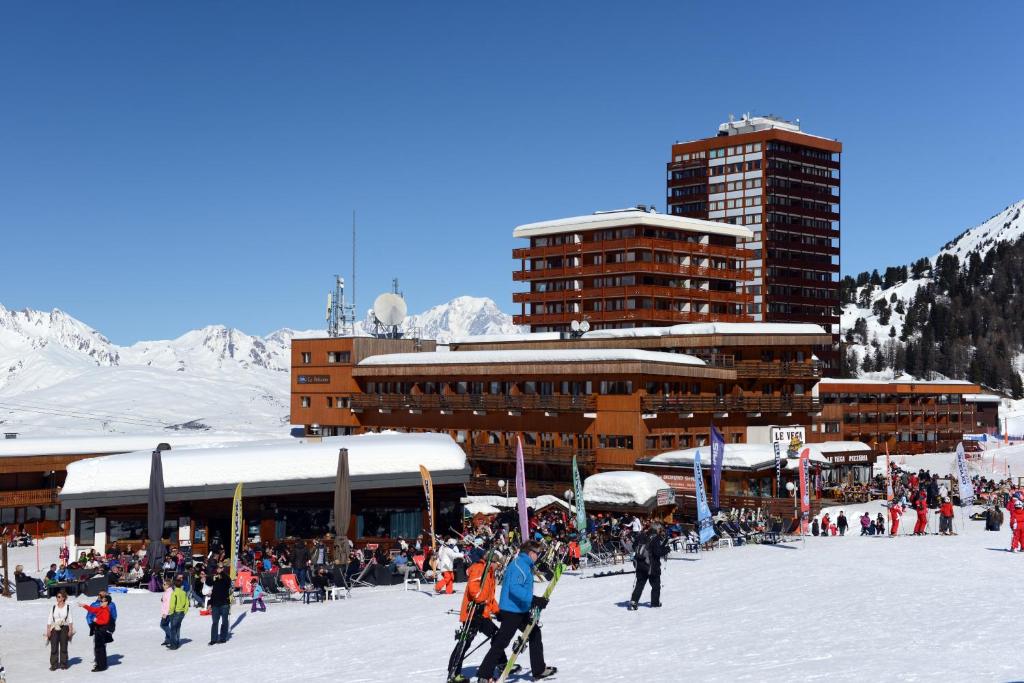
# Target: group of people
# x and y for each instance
(101, 618)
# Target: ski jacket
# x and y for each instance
(165, 602)
(221, 589)
(100, 615)
(517, 586)
(946, 509)
(446, 558)
(90, 618)
(178, 602)
(479, 589)
(1016, 518)
(921, 505)
(865, 522)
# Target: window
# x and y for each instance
(614, 441)
(330, 402)
(341, 402)
(304, 401)
(126, 529)
(338, 357)
(616, 387)
(307, 357)
(86, 532)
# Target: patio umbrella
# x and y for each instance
(155, 517)
(342, 496)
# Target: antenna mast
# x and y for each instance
(353, 270)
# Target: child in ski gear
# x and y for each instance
(515, 605)
(651, 546)
(865, 524)
(165, 611)
(446, 567)
(895, 512)
(946, 517)
(1017, 526)
(59, 631)
(257, 596)
(921, 505)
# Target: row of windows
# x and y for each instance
(332, 357)
(697, 172)
(796, 167)
(689, 190)
(737, 167)
(332, 401)
(737, 203)
(800, 274)
(809, 152)
(887, 418)
(777, 183)
(732, 151)
(802, 221)
(31, 513)
(910, 399)
(735, 185)
(796, 202)
(690, 155)
(805, 292)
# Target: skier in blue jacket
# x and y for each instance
(517, 600)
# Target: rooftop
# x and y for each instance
(529, 356)
(629, 217)
(667, 331)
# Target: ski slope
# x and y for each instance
(839, 609)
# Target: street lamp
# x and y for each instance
(503, 487)
(569, 495)
(791, 487)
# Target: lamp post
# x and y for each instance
(503, 487)
(791, 487)
(569, 495)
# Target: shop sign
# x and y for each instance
(666, 497)
(679, 482)
(848, 459)
(314, 379)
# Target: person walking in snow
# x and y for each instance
(651, 547)
(841, 523)
(177, 607)
(480, 592)
(257, 596)
(1017, 526)
(516, 602)
(446, 567)
(165, 611)
(865, 524)
(895, 512)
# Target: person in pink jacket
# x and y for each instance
(165, 611)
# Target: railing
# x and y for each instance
(35, 497)
(556, 403)
(633, 314)
(706, 404)
(556, 455)
(558, 272)
(480, 485)
(753, 368)
(654, 291)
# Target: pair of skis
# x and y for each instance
(524, 639)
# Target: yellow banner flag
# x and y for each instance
(237, 529)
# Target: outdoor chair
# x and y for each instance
(293, 590)
(27, 590)
(774, 533)
(361, 579)
(270, 588)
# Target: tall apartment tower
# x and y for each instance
(783, 184)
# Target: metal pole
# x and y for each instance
(3, 556)
(38, 567)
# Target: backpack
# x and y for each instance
(642, 556)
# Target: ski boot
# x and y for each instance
(546, 673)
(632, 606)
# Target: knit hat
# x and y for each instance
(476, 554)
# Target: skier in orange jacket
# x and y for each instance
(479, 592)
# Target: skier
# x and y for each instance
(1017, 526)
(651, 546)
(446, 567)
(517, 599)
(921, 505)
(946, 517)
(895, 512)
(479, 591)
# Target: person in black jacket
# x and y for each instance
(220, 610)
(842, 523)
(651, 546)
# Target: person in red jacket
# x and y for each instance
(1017, 526)
(921, 505)
(946, 517)
(895, 512)
(101, 632)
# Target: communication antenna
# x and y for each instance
(340, 316)
(578, 328)
(389, 310)
(353, 269)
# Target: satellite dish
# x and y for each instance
(574, 326)
(585, 326)
(390, 309)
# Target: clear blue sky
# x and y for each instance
(165, 166)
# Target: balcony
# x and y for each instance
(33, 497)
(632, 315)
(754, 368)
(645, 243)
(541, 455)
(802, 159)
(480, 485)
(653, 291)
(742, 404)
(563, 272)
(479, 402)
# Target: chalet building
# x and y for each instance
(630, 268)
(908, 416)
(607, 397)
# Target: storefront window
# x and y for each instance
(304, 522)
(388, 523)
(126, 529)
(86, 532)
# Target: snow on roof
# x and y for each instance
(528, 356)
(112, 443)
(495, 338)
(625, 218)
(623, 488)
(668, 331)
(983, 398)
(907, 380)
(510, 502)
(268, 461)
(744, 456)
(841, 446)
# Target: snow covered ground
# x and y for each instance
(836, 609)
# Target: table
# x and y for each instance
(70, 587)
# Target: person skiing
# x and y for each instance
(651, 546)
(946, 517)
(1017, 526)
(446, 567)
(517, 600)
(479, 592)
(921, 505)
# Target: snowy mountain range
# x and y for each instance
(883, 308)
(58, 375)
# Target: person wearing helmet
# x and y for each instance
(1017, 526)
(921, 505)
(946, 517)
(895, 512)
(446, 557)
